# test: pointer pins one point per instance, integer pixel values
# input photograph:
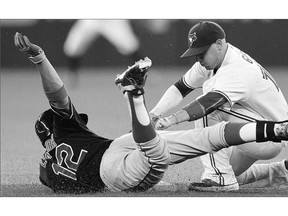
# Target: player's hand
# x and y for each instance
(163, 123)
(25, 46)
(154, 119)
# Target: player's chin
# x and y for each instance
(207, 67)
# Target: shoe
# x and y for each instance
(134, 78)
(208, 185)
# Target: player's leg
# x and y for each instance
(72, 47)
(239, 133)
(152, 147)
(218, 174)
(273, 173)
(52, 84)
(244, 156)
(79, 39)
(218, 171)
(241, 161)
(121, 35)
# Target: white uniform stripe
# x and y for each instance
(185, 83)
(211, 156)
(238, 115)
(222, 93)
(217, 171)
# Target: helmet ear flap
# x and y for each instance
(84, 117)
(44, 125)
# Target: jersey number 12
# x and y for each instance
(72, 166)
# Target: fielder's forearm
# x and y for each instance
(171, 98)
(178, 117)
(198, 108)
(183, 115)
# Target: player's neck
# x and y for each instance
(222, 56)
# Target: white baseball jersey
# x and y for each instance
(244, 83)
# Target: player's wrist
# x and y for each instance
(38, 58)
(154, 116)
(173, 119)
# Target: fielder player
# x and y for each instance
(84, 32)
(235, 88)
(78, 160)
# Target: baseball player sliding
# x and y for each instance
(235, 88)
(78, 160)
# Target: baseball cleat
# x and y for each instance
(134, 78)
(207, 185)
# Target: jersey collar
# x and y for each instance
(230, 54)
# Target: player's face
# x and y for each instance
(210, 59)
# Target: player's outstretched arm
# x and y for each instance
(193, 111)
(51, 82)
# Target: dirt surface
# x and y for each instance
(22, 100)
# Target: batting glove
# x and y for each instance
(36, 54)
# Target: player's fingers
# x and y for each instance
(26, 41)
(160, 126)
(18, 41)
(21, 41)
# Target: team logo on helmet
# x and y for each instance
(192, 38)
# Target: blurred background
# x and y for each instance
(88, 55)
(162, 40)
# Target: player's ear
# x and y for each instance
(220, 44)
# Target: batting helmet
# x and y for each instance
(44, 125)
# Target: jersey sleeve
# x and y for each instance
(68, 122)
(196, 76)
(233, 86)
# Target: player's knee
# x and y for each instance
(165, 158)
(232, 135)
(157, 151)
(163, 155)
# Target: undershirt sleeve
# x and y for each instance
(183, 89)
